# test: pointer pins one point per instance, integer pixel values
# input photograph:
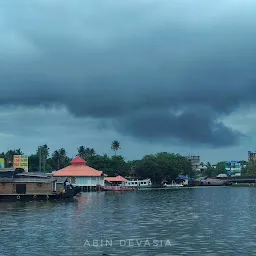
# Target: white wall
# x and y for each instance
(89, 181)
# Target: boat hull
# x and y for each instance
(162, 188)
(120, 189)
(68, 195)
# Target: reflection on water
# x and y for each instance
(196, 221)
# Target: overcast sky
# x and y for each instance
(157, 75)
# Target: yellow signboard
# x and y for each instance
(20, 161)
(1, 162)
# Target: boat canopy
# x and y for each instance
(182, 177)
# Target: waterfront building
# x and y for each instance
(195, 162)
(234, 168)
(251, 155)
(114, 181)
(201, 169)
(80, 174)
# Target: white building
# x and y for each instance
(80, 174)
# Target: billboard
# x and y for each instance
(20, 161)
(1, 162)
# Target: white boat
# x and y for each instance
(172, 185)
(146, 183)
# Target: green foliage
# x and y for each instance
(158, 167)
(115, 146)
(59, 159)
(163, 166)
(251, 168)
(213, 171)
(43, 153)
(33, 163)
(85, 153)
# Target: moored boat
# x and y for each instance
(173, 185)
(139, 184)
(17, 185)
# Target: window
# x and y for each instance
(21, 188)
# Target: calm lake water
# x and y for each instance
(191, 221)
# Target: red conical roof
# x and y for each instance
(78, 168)
(78, 161)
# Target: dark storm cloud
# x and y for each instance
(159, 70)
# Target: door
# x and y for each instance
(20, 188)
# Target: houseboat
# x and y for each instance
(17, 185)
(211, 181)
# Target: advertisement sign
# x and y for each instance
(20, 161)
(1, 162)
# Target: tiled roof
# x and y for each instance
(78, 168)
(115, 179)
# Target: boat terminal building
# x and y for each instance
(80, 174)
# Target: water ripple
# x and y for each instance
(212, 221)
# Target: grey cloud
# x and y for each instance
(189, 126)
(157, 70)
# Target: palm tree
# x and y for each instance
(81, 152)
(43, 153)
(115, 146)
(86, 152)
(89, 152)
(60, 157)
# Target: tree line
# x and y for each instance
(247, 168)
(161, 166)
(158, 167)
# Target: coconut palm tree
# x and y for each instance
(59, 156)
(115, 146)
(86, 152)
(81, 152)
(43, 153)
(89, 152)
